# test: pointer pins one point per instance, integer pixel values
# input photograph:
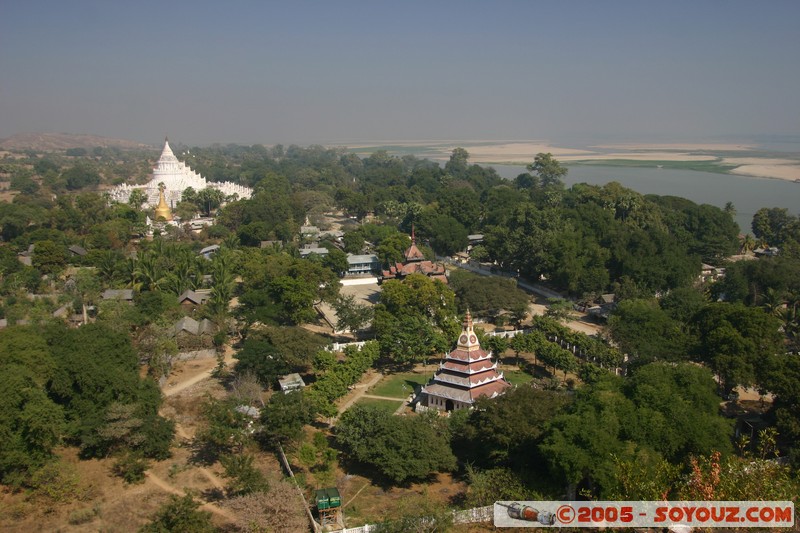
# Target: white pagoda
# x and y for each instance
(466, 374)
(176, 177)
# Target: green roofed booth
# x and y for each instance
(328, 503)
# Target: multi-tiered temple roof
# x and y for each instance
(176, 177)
(466, 374)
(414, 263)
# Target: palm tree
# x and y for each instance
(180, 278)
(223, 279)
(128, 271)
(107, 264)
(748, 244)
(149, 272)
(231, 242)
(773, 302)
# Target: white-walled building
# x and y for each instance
(176, 177)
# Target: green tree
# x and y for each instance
(284, 417)
(245, 477)
(137, 198)
(225, 431)
(488, 486)
(210, 199)
(180, 514)
(49, 257)
(447, 235)
(770, 225)
(391, 443)
(559, 308)
(415, 318)
(80, 176)
(457, 164)
(501, 432)
(260, 357)
(391, 249)
(353, 242)
(737, 341)
(664, 411)
(97, 366)
(783, 379)
(646, 332)
(350, 315)
(548, 170)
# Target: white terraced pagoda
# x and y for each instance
(176, 177)
(466, 374)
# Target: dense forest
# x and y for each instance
(680, 346)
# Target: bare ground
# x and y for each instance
(114, 506)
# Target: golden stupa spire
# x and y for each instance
(162, 209)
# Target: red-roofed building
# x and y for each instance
(414, 263)
(466, 374)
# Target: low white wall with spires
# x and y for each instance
(468, 516)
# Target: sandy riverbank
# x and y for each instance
(642, 156)
(684, 147)
(782, 172)
(523, 152)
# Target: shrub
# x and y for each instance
(81, 516)
(56, 482)
(131, 468)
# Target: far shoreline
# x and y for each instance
(755, 173)
(739, 159)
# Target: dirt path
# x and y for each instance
(215, 480)
(171, 390)
(182, 384)
(166, 487)
(383, 397)
(359, 390)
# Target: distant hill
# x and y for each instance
(54, 142)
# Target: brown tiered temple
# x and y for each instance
(414, 263)
(466, 374)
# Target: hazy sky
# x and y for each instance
(298, 71)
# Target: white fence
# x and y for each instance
(476, 514)
(508, 334)
(358, 281)
(340, 346)
(469, 516)
(366, 528)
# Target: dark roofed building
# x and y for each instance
(314, 248)
(191, 298)
(123, 295)
(362, 264)
(191, 326)
(415, 263)
(80, 251)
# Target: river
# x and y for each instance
(748, 195)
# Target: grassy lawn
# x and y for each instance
(387, 405)
(516, 377)
(702, 166)
(393, 385)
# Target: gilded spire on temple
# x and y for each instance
(176, 176)
(163, 212)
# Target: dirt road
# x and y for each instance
(183, 383)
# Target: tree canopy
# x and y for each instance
(391, 444)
